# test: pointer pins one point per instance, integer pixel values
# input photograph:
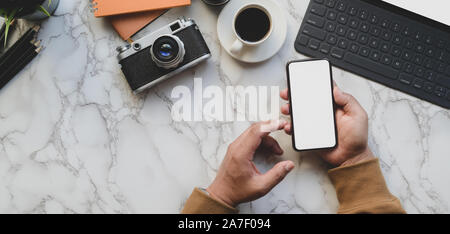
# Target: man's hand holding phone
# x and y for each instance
(352, 129)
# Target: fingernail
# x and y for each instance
(282, 122)
(289, 166)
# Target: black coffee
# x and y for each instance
(252, 24)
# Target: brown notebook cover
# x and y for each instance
(129, 24)
(117, 7)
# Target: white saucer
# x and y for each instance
(258, 53)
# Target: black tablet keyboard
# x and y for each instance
(380, 45)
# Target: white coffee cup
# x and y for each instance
(240, 43)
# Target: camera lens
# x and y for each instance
(168, 51)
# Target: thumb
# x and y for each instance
(346, 101)
(275, 175)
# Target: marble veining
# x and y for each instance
(74, 139)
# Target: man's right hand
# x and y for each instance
(238, 180)
(352, 128)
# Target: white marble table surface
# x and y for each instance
(74, 139)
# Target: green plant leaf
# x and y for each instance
(8, 21)
(42, 9)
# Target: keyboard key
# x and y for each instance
(372, 66)
(373, 19)
(316, 21)
(330, 3)
(324, 48)
(441, 67)
(418, 59)
(375, 31)
(364, 51)
(440, 44)
(430, 75)
(352, 11)
(341, 30)
(354, 48)
(354, 23)
(314, 44)
(337, 53)
(439, 91)
(418, 36)
(318, 10)
(444, 56)
(397, 40)
(395, 27)
(343, 44)
(302, 40)
(342, 19)
(419, 72)
(408, 43)
(341, 6)
(397, 64)
(375, 55)
(409, 68)
(385, 47)
(331, 39)
(330, 27)
(406, 31)
(313, 32)
(428, 40)
(396, 51)
(440, 55)
(374, 43)
(363, 14)
(429, 63)
(407, 55)
(406, 79)
(352, 35)
(387, 60)
(419, 48)
(385, 23)
(429, 52)
(428, 87)
(386, 35)
(319, 1)
(331, 15)
(364, 27)
(448, 95)
(363, 39)
(418, 83)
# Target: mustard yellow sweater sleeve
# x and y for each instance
(200, 203)
(361, 188)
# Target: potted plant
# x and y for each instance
(26, 9)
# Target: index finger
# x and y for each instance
(251, 139)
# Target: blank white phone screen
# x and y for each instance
(312, 105)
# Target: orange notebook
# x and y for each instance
(129, 24)
(116, 7)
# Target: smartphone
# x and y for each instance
(312, 106)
